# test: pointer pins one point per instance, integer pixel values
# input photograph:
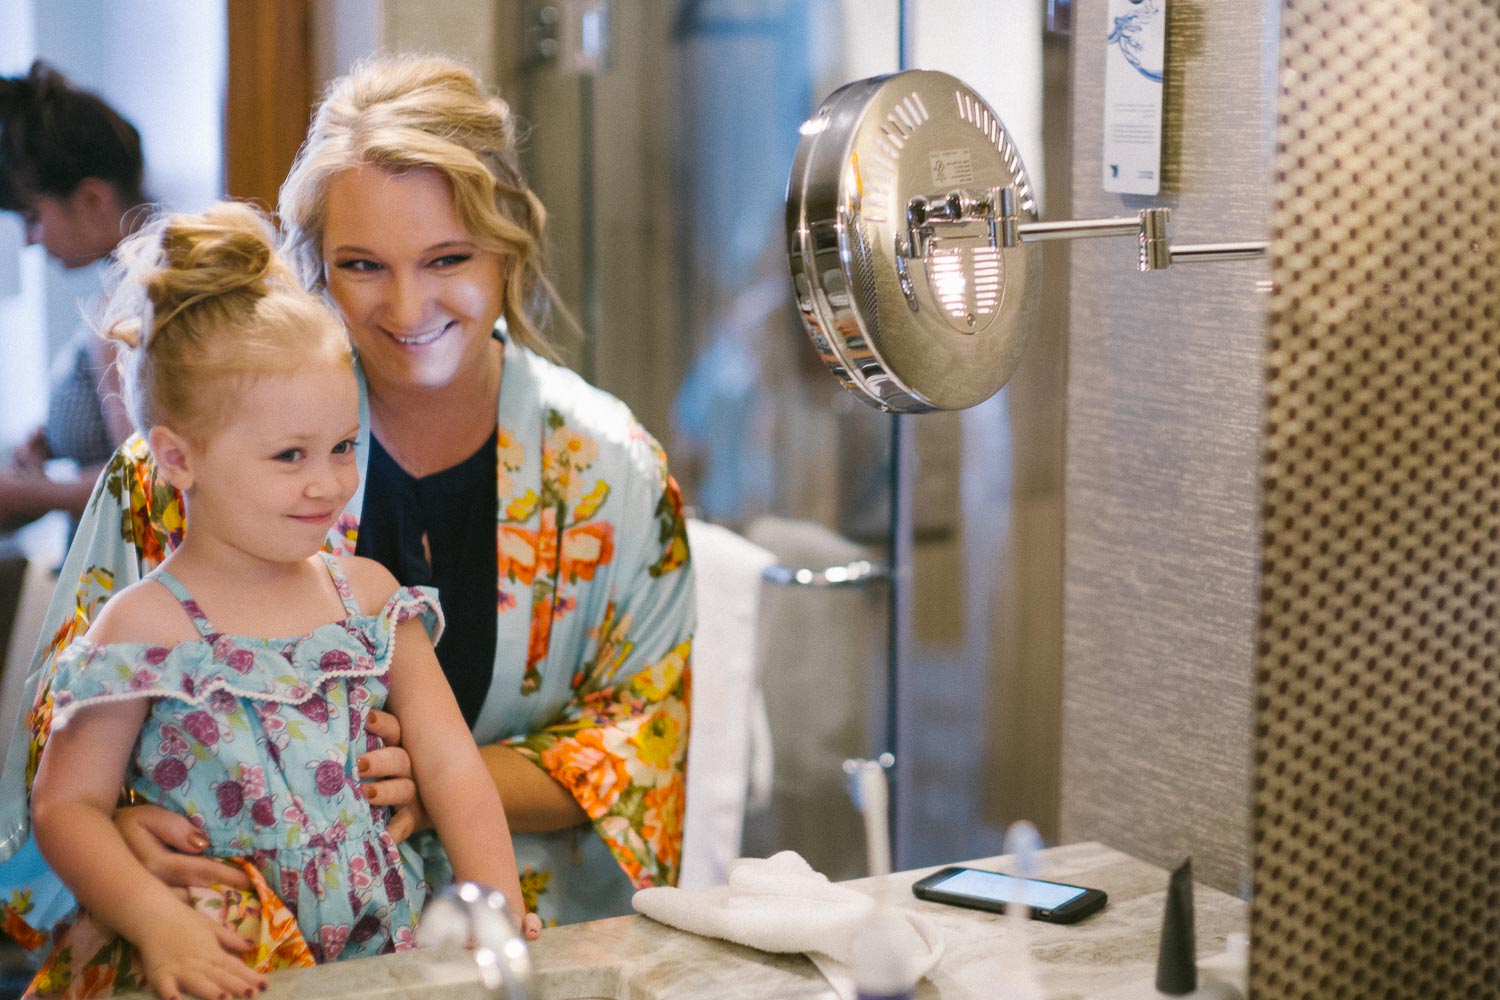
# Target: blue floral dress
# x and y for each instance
(255, 741)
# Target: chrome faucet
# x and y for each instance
(473, 916)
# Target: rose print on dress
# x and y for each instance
(315, 709)
(263, 812)
(231, 798)
(169, 774)
(201, 727)
(329, 777)
(345, 534)
(587, 769)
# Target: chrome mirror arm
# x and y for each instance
(997, 208)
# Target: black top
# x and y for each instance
(455, 510)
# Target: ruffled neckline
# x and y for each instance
(194, 671)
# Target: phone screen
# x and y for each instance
(1008, 889)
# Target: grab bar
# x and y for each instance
(860, 573)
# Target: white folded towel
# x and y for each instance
(780, 904)
(726, 755)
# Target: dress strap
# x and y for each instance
(341, 584)
(189, 606)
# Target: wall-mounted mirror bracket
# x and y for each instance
(912, 240)
(1005, 227)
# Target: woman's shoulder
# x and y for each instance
(132, 454)
(571, 404)
(560, 387)
(132, 483)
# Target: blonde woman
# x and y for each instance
(535, 504)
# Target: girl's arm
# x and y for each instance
(456, 788)
(73, 798)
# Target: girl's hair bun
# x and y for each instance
(227, 252)
(200, 298)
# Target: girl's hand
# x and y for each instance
(168, 845)
(386, 778)
(531, 926)
(197, 955)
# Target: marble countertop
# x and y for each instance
(634, 958)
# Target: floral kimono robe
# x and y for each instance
(595, 625)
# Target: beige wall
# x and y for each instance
(1163, 436)
(1023, 684)
(345, 30)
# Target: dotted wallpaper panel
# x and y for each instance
(1376, 809)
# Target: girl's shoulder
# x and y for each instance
(386, 603)
(144, 612)
(370, 581)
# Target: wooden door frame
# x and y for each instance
(269, 95)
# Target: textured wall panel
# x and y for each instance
(1163, 445)
(1377, 792)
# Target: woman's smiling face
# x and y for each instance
(418, 293)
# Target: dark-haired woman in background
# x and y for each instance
(71, 166)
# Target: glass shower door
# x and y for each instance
(669, 191)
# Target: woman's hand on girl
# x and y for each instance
(385, 775)
(199, 956)
(169, 846)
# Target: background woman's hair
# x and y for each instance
(200, 299)
(53, 135)
(408, 112)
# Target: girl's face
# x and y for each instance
(420, 297)
(275, 477)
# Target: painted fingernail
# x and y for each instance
(199, 841)
(364, 765)
(369, 791)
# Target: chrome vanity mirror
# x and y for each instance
(911, 235)
(938, 329)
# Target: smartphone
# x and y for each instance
(1054, 902)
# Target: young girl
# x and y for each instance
(233, 683)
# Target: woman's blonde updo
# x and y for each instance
(200, 299)
(408, 112)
